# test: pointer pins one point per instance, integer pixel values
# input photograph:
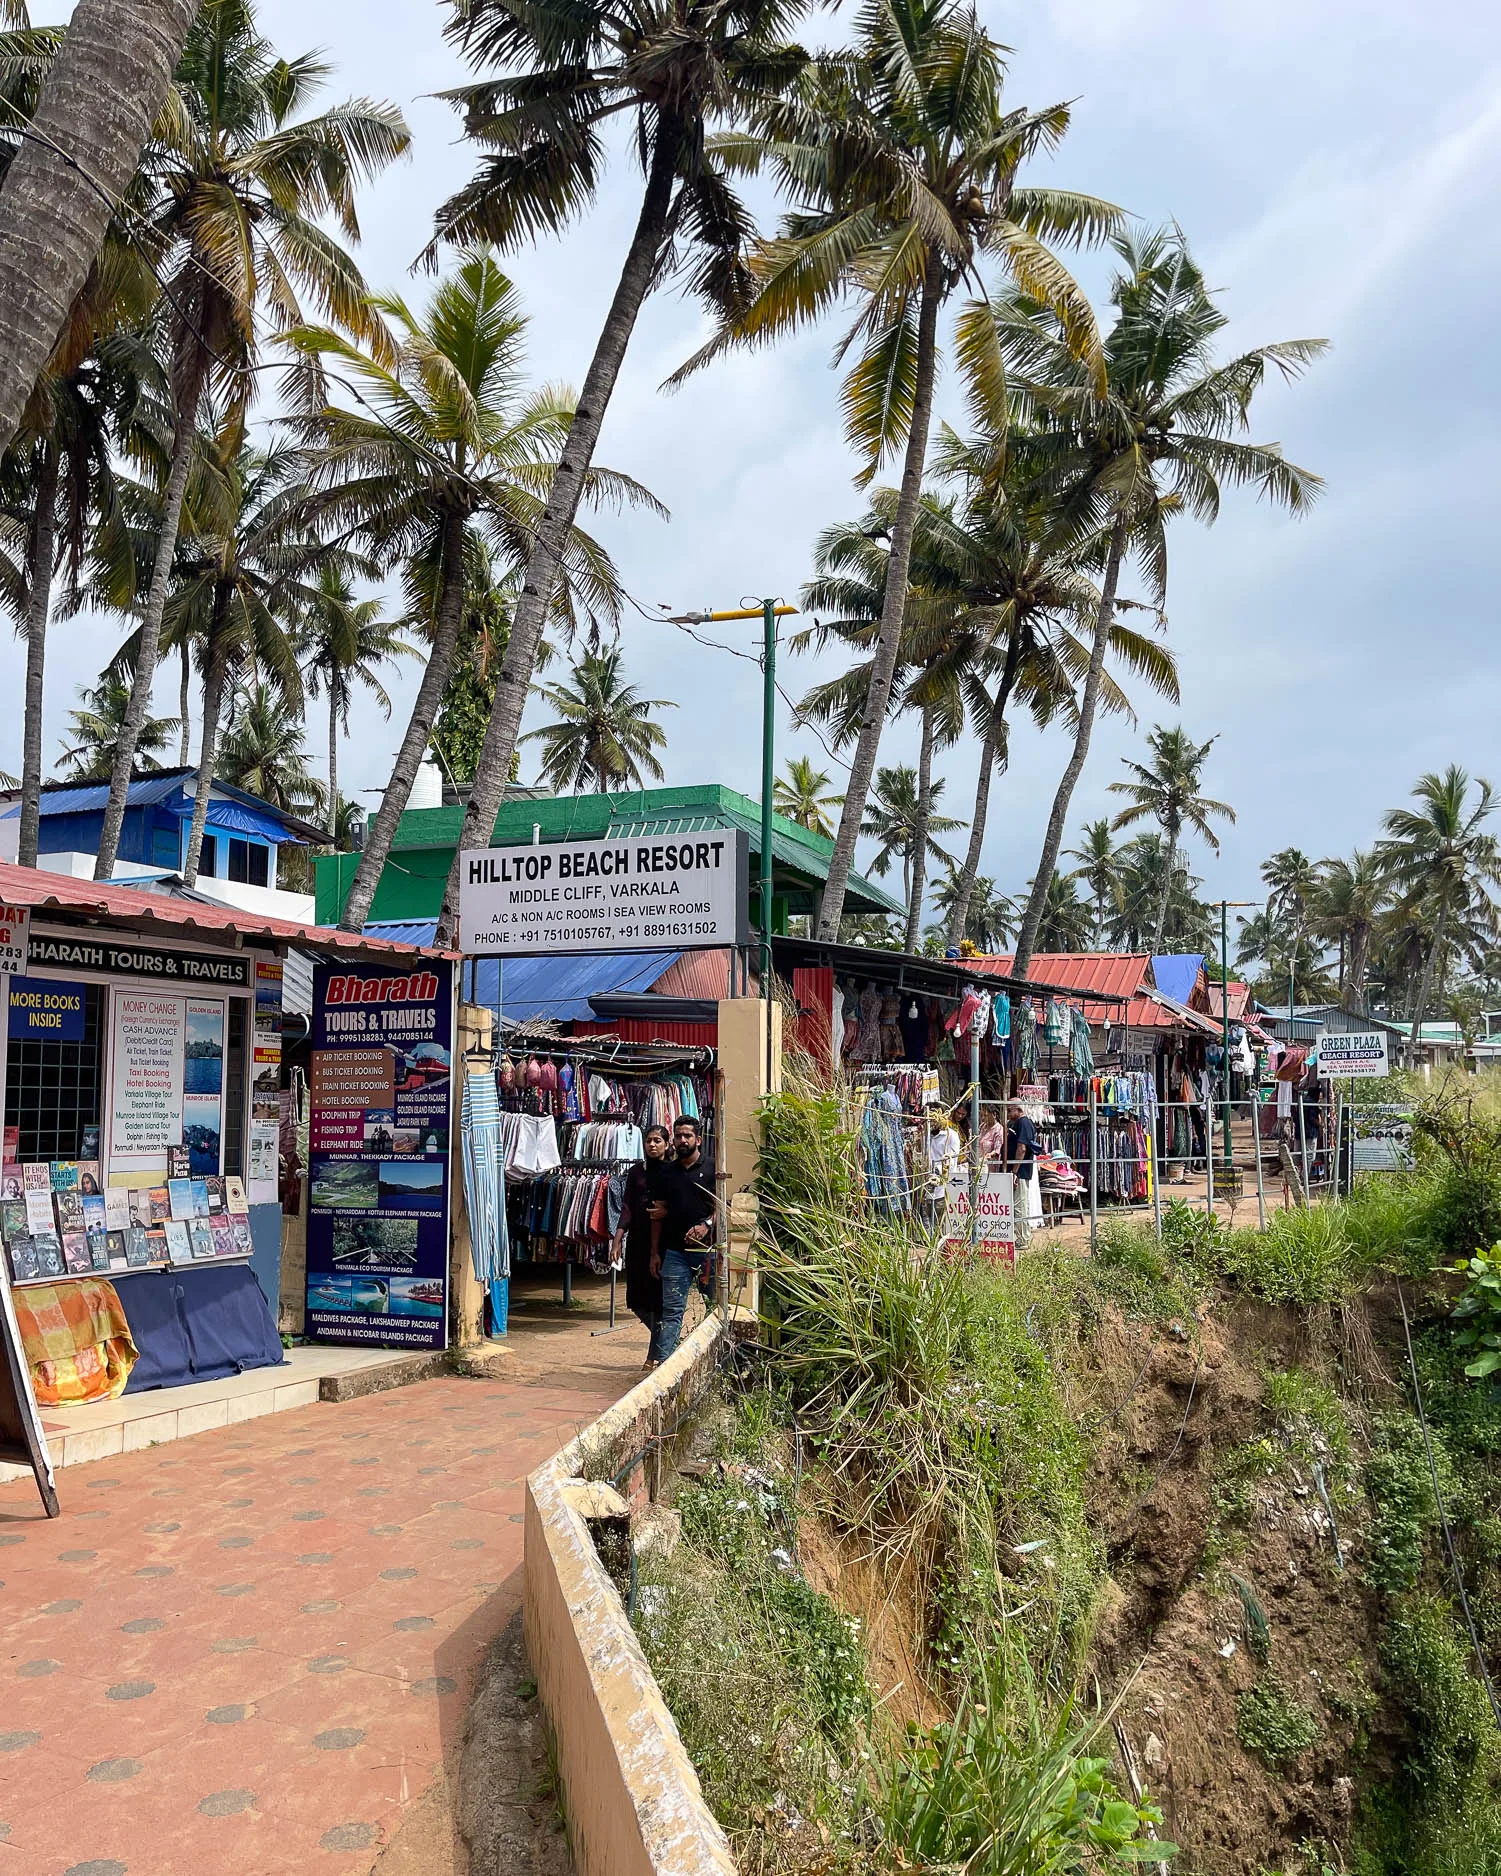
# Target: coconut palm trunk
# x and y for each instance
(335, 692)
(449, 617)
(96, 107)
(888, 642)
(990, 748)
(1165, 896)
(208, 756)
(514, 680)
(1359, 963)
(151, 625)
(1053, 840)
(185, 707)
(38, 603)
(1425, 984)
(917, 885)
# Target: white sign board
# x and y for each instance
(997, 1233)
(147, 1051)
(1361, 1053)
(649, 893)
(15, 939)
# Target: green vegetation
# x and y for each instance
(1273, 1724)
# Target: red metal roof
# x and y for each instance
(1154, 1010)
(88, 898)
(1107, 973)
(703, 974)
(1240, 996)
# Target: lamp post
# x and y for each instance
(768, 611)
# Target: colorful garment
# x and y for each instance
(77, 1341)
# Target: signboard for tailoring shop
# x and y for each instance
(15, 931)
(647, 893)
(1360, 1053)
(997, 1196)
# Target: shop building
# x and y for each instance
(151, 1140)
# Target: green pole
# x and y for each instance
(1225, 1012)
(768, 785)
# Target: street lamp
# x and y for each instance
(768, 611)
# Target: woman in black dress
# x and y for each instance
(644, 1186)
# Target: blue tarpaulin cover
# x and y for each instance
(197, 1325)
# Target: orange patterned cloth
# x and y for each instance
(77, 1341)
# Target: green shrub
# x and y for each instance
(1401, 1492)
(1273, 1724)
(1303, 1257)
(1431, 1670)
(1010, 1786)
(1464, 1212)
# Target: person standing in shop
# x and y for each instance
(944, 1148)
(687, 1244)
(1021, 1162)
(637, 1240)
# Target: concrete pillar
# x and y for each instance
(743, 1086)
(466, 1295)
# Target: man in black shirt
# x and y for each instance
(1021, 1153)
(687, 1228)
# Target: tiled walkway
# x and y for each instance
(248, 1652)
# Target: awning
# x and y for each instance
(235, 819)
(525, 989)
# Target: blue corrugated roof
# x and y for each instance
(1176, 974)
(230, 807)
(90, 797)
(558, 988)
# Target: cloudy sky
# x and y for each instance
(1336, 169)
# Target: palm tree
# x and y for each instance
(603, 733)
(902, 165)
(343, 641)
(1144, 874)
(1166, 790)
(1293, 884)
(1099, 871)
(801, 793)
(1351, 897)
(990, 922)
(243, 186)
(1440, 858)
(898, 816)
(237, 590)
(445, 470)
(96, 107)
(263, 752)
(1066, 919)
(94, 728)
(1157, 437)
(563, 72)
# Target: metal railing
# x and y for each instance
(1288, 1156)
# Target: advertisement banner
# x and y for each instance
(203, 1085)
(148, 1050)
(43, 1011)
(15, 929)
(1380, 1138)
(645, 894)
(1358, 1054)
(997, 1234)
(380, 1083)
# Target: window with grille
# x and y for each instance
(54, 1090)
(232, 1123)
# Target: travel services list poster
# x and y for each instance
(380, 1088)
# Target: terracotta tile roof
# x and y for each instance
(160, 911)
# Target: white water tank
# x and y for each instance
(427, 789)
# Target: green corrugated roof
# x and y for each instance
(411, 886)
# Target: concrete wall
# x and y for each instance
(633, 1799)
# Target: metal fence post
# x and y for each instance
(1154, 1168)
(1303, 1146)
(1209, 1158)
(974, 1136)
(1260, 1182)
(1094, 1166)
